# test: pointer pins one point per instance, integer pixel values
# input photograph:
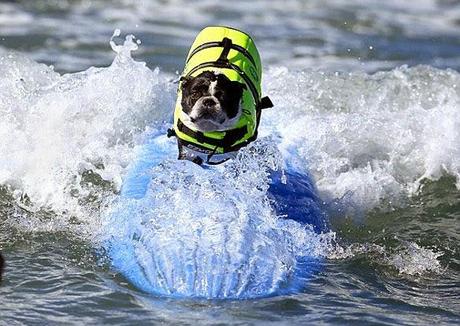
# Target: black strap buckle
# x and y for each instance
(171, 133)
(265, 103)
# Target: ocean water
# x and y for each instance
(366, 116)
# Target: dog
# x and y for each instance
(219, 101)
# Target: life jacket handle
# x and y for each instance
(226, 45)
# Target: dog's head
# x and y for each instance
(211, 101)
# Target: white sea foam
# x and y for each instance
(55, 127)
(415, 260)
(408, 259)
(368, 138)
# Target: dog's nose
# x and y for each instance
(209, 102)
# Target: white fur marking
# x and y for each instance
(212, 88)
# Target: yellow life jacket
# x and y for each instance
(234, 54)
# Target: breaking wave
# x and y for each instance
(359, 141)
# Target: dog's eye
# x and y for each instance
(218, 94)
(196, 94)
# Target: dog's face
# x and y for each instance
(211, 102)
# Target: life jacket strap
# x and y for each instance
(221, 44)
(226, 45)
(265, 103)
(231, 137)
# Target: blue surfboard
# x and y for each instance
(240, 230)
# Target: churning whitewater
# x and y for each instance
(354, 141)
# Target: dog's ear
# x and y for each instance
(238, 87)
(184, 80)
